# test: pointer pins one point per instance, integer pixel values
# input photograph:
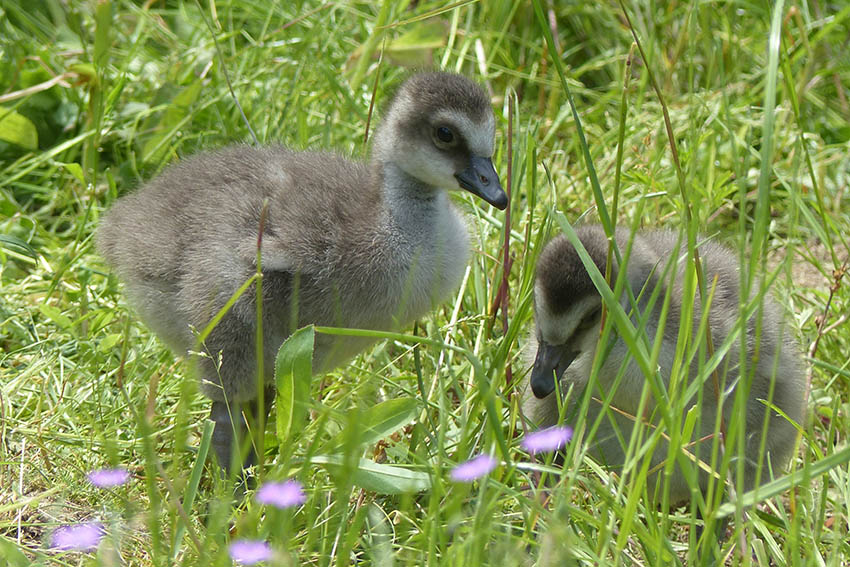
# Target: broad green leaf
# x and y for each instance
(17, 129)
(55, 315)
(382, 420)
(177, 114)
(414, 48)
(103, 19)
(12, 554)
(293, 371)
(180, 105)
(378, 478)
(109, 341)
(86, 72)
(379, 533)
(84, 69)
(76, 170)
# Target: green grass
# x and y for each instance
(96, 98)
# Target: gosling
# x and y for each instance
(345, 243)
(568, 311)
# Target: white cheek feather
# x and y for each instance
(555, 329)
(430, 167)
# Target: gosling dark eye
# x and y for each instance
(444, 137)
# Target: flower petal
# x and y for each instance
(249, 551)
(78, 537)
(281, 494)
(545, 440)
(473, 468)
(104, 478)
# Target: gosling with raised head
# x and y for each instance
(345, 243)
(567, 324)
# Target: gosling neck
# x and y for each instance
(409, 201)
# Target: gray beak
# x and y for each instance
(549, 365)
(480, 178)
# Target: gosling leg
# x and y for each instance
(226, 429)
(229, 433)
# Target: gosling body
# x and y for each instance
(369, 245)
(567, 324)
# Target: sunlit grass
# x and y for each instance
(113, 92)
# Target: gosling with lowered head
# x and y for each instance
(345, 243)
(568, 311)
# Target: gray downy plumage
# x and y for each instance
(369, 245)
(567, 325)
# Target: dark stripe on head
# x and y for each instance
(561, 276)
(436, 91)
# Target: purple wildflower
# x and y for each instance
(78, 537)
(545, 440)
(281, 494)
(250, 551)
(105, 478)
(473, 468)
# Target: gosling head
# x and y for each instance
(567, 310)
(439, 130)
